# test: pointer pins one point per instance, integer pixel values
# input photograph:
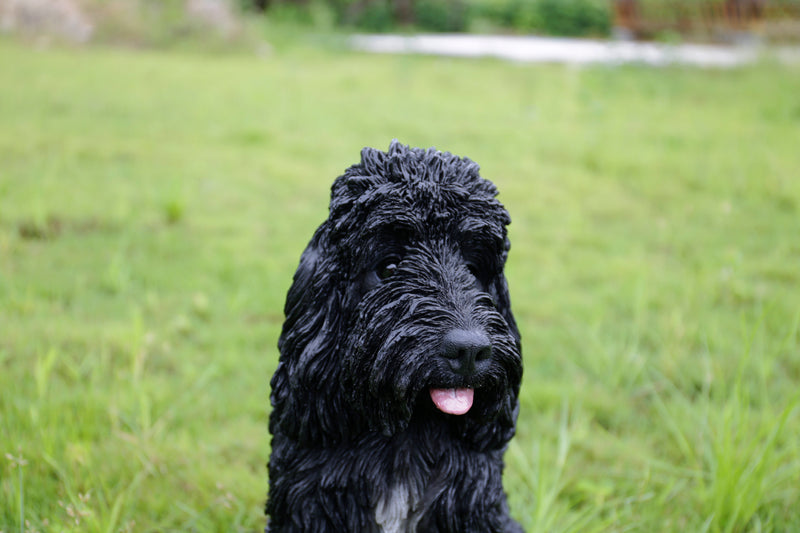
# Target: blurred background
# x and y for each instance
(164, 163)
(158, 22)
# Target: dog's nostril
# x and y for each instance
(484, 353)
(464, 347)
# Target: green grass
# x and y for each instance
(153, 207)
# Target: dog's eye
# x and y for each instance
(478, 274)
(387, 268)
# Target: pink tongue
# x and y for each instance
(453, 401)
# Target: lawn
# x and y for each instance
(153, 206)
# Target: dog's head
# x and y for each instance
(399, 309)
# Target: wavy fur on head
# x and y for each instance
(399, 294)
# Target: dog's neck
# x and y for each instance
(398, 511)
(417, 474)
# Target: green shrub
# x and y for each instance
(554, 17)
(573, 17)
(524, 15)
(291, 13)
(442, 16)
(376, 16)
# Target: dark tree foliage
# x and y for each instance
(556, 17)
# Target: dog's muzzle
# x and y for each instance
(465, 351)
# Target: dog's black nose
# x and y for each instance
(464, 348)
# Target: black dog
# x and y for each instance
(396, 391)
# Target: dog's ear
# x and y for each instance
(306, 403)
(303, 280)
(501, 431)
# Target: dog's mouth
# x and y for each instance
(453, 401)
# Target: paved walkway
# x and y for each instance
(563, 50)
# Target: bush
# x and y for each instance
(441, 16)
(573, 17)
(375, 16)
(381, 16)
(554, 17)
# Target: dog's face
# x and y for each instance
(404, 310)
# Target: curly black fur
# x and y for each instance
(400, 291)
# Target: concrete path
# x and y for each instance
(563, 50)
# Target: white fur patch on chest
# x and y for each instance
(397, 513)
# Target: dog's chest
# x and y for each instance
(398, 511)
